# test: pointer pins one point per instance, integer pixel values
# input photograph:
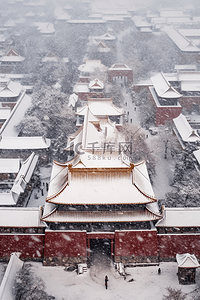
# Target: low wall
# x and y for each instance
(64, 247)
(29, 245)
(171, 244)
(136, 246)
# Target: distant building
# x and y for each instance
(187, 265)
(12, 57)
(91, 68)
(120, 73)
(165, 99)
(188, 50)
(185, 133)
(92, 89)
(178, 232)
(15, 179)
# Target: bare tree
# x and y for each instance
(139, 150)
(174, 294)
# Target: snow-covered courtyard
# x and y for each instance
(146, 283)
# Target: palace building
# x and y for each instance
(100, 199)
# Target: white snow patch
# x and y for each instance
(66, 237)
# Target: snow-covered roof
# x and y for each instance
(96, 84)
(4, 113)
(12, 56)
(191, 86)
(100, 107)
(90, 65)
(113, 10)
(14, 266)
(10, 23)
(120, 66)
(11, 196)
(9, 165)
(99, 131)
(72, 100)
(196, 19)
(173, 13)
(194, 32)
(180, 217)
(163, 88)
(141, 22)
(180, 40)
(20, 20)
(45, 28)
(25, 171)
(95, 16)
(87, 21)
(178, 20)
(185, 67)
(12, 76)
(57, 86)
(156, 100)
(187, 260)
(188, 75)
(107, 37)
(30, 14)
(21, 217)
(102, 47)
(34, 3)
(99, 182)
(2, 38)
(9, 127)
(145, 29)
(9, 88)
(100, 216)
(157, 20)
(112, 17)
(62, 16)
(81, 87)
(187, 133)
(24, 143)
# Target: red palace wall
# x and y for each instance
(8, 104)
(30, 245)
(115, 73)
(65, 244)
(166, 113)
(84, 96)
(170, 245)
(137, 243)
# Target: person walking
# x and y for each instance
(106, 282)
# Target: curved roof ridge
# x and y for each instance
(145, 194)
(60, 164)
(48, 214)
(119, 109)
(153, 212)
(139, 163)
(48, 199)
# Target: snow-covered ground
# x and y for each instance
(164, 167)
(146, 284)
(38, 197)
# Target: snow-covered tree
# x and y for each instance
(139, 150)
(49, 115)
(29, 287)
